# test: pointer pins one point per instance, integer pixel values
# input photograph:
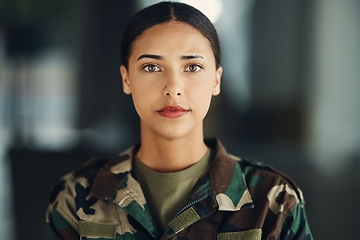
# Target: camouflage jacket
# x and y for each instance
(238, 199)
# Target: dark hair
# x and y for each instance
(164, 12)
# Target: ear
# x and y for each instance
(125, 79)
(216, 90)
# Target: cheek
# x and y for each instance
(141, 98)
(144, 97)
(205, 93)
(206, 100)
(202, 98)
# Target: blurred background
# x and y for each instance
(290, 97)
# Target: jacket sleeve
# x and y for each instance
(58, 228)
(60, 220)
(295, 226)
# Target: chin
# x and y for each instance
(174, 132)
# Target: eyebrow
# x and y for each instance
(150, 56)
(184, 57)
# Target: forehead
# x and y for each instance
(171, 37)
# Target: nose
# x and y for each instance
(173, 85)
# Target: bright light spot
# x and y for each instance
(211, 8)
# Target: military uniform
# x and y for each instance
(237, 199)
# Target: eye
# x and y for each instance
(151, 68)
(193, 68)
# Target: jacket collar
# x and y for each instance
(114, 181)
(227, 180)
(112, 175)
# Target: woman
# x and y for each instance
(174, 185)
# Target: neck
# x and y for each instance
(171, 154)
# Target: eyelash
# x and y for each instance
(146, 68)
(158, 69)
(194, 65)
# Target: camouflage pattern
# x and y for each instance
(238, 199)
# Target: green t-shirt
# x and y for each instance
(167, 193)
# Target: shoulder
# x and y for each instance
(66, 194)
(76, 188)
(84, 175)
(269, 186)
(83, 178)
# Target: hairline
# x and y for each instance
(173, 18)
(209, 32)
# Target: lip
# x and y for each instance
(172, 111)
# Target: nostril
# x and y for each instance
(169, 94)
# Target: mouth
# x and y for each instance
(172, 111)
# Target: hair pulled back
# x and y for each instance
(164, 12)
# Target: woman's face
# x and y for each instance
(171, 77)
